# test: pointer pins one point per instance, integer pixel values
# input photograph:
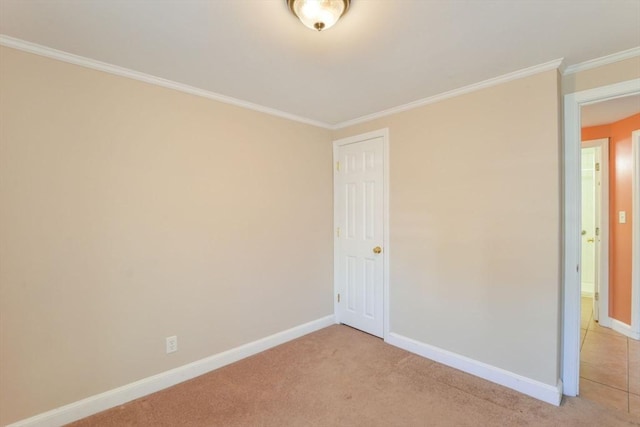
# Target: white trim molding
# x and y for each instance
(536, 389)
(551, 65)
(624, 329)
(558, 64)
(604, 60)
(148, 78)
(571, 222)
(103, 401)
(635, 238)
(82, 61)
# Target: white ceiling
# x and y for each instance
(382, 54)
(609, 111)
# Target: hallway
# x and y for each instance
(609, 365)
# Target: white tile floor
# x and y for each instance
(609, 365)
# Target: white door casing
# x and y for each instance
(360, 244)
(635, 238)
(571, 223)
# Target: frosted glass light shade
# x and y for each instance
(318, 14)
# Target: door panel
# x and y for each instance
(597, 215)
(591, 224)
(359, 219)
(588, 221)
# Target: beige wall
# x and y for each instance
(475, 224)
(129, 213)
(616, 72)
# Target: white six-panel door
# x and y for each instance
(588, 264)
(594, 219)
(359, 210)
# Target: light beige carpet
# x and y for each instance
(342, 377)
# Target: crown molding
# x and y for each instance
(551, 65)
(82, 61)
(558, 64)
(603, 60)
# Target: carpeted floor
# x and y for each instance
(339, 376)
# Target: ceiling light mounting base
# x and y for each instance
(318, 14)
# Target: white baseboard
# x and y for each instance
(541, 391)
(624, 329)
(103, 401)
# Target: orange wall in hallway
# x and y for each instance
(620, 177)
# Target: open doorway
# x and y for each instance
(613, 121)
(572, 228)
(608, 373)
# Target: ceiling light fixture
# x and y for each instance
(318, 14)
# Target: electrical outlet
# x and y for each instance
(172, 344)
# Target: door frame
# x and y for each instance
(603, 268)
(571, 223)
(635, 238)
(384, 134)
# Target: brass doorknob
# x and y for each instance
(591, 240)
(377, 250)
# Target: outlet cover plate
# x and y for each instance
(172, 344)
